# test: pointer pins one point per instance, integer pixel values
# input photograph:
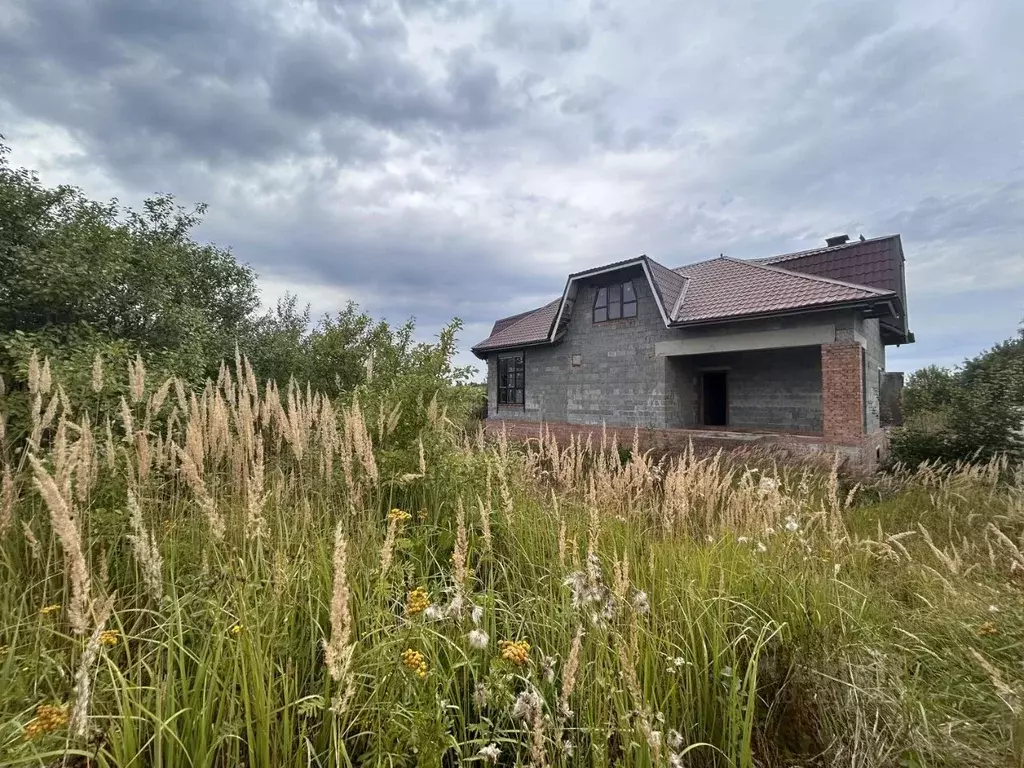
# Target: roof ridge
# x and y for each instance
(695, 264)
(813, 278)
(822, 249)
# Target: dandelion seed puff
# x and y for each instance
(653, 737)
(490, 753)
(476, 615)
(640, 604)
(527, 703)
(547, 667)
(433, 612)
(478, 639)
(480, 696)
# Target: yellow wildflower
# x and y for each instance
(49, 717)
(48, 609)
(417, 601)
(415, 662)
(108, 637)
(398, 515)
(988, 628)
(516, 651)
(236, 630)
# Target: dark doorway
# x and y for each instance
(715, 398)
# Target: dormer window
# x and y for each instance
(615, 301)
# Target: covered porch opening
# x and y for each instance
(767, 390)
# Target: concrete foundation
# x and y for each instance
(862, 457)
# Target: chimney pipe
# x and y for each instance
(836, 240)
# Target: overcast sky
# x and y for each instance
(459, 158)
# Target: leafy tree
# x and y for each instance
(976, 410)
(74, 271)
(80, 278)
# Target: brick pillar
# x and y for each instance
(842, 392)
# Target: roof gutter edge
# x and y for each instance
(482, 353)
(785, 312)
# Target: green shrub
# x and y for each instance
(972, 413)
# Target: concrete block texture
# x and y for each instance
(610, 372)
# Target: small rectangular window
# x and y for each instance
(613, 302)
(511, 379)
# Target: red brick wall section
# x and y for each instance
(842, 392)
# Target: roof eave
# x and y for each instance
(481, 353)
(852, 304)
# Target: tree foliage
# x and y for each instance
(976, 410)
(74, 272)
(80, 278)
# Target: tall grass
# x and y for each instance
(248, 576)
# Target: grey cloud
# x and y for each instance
(447, 268)
(995, 209)
(746, 129)
(445, 10)
(590, 96)
(221, 82)
(832, 30)
(547, 37)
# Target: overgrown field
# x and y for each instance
(243, 576)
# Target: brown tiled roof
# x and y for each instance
(725, 288)
(523, 329)
(668, 283)
(505, 322)
(875, 262)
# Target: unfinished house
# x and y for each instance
(786, 351)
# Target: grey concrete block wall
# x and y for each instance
(874, 371)
(772, 389)
(618, 380)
